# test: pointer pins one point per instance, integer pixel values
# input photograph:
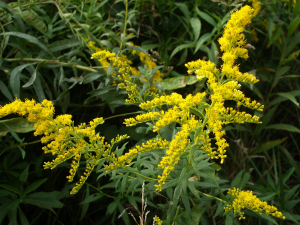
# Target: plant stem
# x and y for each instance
(85, 68)
(125, 114)
(126, 14)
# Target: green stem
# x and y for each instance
(126, 14)
(100, 191)
(21, 145)
(125, 114)
(148, 178)
(207, 195)
(85, 68)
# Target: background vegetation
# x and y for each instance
(45, 55)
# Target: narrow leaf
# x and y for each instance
(266, 146)
(28, 38)
(281, 126)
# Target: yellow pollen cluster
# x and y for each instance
(246, 200)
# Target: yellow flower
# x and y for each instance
(157, 220)
(246, 200)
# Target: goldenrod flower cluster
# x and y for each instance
(256, 6)
(65, 140)
(232, 44)
(157, 220)
(181, 110)
(125, 72)
(150, 145)
(246, 200)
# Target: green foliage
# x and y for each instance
(44, 54)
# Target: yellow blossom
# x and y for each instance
(246, 200)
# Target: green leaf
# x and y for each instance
(15, 79)
(24, 174)
(91, 77)
(184, 9)
(183, 57)
(17, 20)
(289, 97)
(287, 175)
(33, 77)
(5, 91)
(196, 25)
(123, 214)
(202, 40)
(124, 183)
(281, 126)
(37, 85)
(176, 82)
(181, 47)
(7, 206)
(292, 26)
(192, 188)
(43, 200)
(34, 186)
(220, 209)
(92, 198)
(13, 133)
(279, 73)
(28, 38)
(10, 188)
(292, 56)
(182, 174)
(244, 180)
(296, 9)
(206, 17)
(229, 219)
(290, 159)
(18, 124)
(85, 206)
(266, 146)
(63, 44)
(23, 218)
(237, 179)
(172, 207)
(186, 203)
